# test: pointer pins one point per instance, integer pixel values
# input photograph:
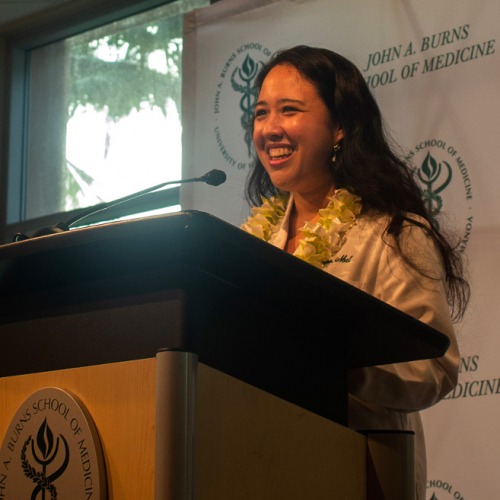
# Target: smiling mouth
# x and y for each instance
(280, 153)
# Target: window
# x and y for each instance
(97, 116)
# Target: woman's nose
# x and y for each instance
(273, 126)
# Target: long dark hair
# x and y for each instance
(367, 163)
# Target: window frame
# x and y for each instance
(17, 39)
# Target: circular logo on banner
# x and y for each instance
(234, 102)
(52, 450)
(442, 490)
(446, 185)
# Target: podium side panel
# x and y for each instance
(121, 400)
(250, 444)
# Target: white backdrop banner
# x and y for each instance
(434, 70)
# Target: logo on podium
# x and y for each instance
(51, 450)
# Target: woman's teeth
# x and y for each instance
(276, 153)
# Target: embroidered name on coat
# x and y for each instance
(344, 259)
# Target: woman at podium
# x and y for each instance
(328, 188)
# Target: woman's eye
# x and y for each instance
(259, 113)
(289, 109)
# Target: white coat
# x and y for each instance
(389, 397)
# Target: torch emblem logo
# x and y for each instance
(52, 457)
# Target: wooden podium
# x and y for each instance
(208, 359)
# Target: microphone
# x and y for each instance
(213, 178)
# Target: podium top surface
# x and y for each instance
(209, 258)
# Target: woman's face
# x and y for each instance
(293, 133)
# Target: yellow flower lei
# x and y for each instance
(322, 239)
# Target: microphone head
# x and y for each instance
(214, 177)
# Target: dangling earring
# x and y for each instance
(336, 149)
